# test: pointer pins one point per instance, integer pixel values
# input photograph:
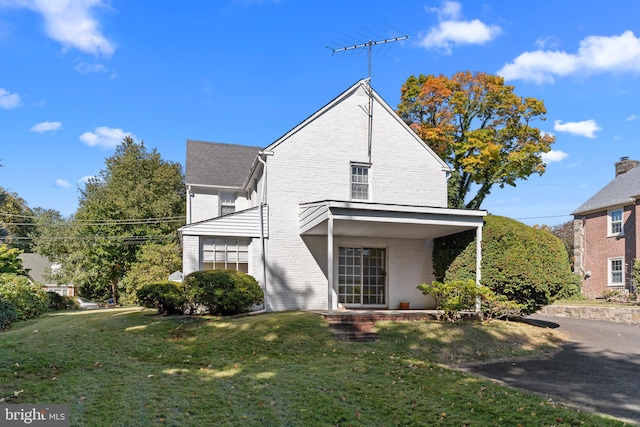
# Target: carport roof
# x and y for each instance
(386, 220)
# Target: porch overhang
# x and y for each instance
(338, 218)
(385, 220)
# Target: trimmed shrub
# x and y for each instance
(59, 302)
(452, 297)
(165, 296)
(526, 265)
(29, 300)
(222, 292)
(8, 314)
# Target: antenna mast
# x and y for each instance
(369, 45)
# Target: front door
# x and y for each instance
(361, 277)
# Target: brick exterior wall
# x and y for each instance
(594, 247)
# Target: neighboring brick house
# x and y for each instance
(340, 212)
(606, 233)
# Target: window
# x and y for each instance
(227, 203)
(616, 272)
(360, 182)
(225, 254)
(615, 222)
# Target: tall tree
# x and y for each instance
(479, 127)
(138, 198)
(16, 221)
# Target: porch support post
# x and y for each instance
(330, 264)
(478, 263)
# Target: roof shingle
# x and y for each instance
(616, 193)
(218, 164)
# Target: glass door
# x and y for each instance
(361, 277)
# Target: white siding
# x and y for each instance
(190, 254)
(204, 204)
(313, 164)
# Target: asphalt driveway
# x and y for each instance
(598, 368)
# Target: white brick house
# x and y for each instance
(341, 211)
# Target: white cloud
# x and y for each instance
(9, 100)
(71, 23)
(554, 156)
(632, 118)
(453, 31)
(586, 128)
(596, 54)
(104, 137)
(46, 127)
(86, 179)
(62, 183)
(86, 68)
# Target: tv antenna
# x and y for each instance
(369, 45)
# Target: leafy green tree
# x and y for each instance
(9, 261)
(16, 221)
(154, 263)
(138, 198)
(479, 127)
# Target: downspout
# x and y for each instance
(262, 202)
(189, 197)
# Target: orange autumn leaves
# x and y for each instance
(479, 127)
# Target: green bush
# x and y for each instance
(452, 297)
(222, 291)
(59, 302)
(29, 300)
(526, 265)
(496, 306)
(8, 314)
(165, 296)
(460, 295)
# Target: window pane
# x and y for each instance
(359, 182)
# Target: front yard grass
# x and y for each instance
(129, 367)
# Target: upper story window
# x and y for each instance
(615, 222)
(227, 203)
(360, 187)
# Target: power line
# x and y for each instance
(100, 222)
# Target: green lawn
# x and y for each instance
(128, 367)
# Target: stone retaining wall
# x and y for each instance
(610, 314)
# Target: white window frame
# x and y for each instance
(611, 271)
(227, 203)
(612, 225)
(354, 195)
(224, 254)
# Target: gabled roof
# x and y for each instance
(616, 193)
(36, 265)
(217, 164)
(363, 84)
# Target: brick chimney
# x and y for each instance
(625, 165)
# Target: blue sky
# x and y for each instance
(79, 75)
